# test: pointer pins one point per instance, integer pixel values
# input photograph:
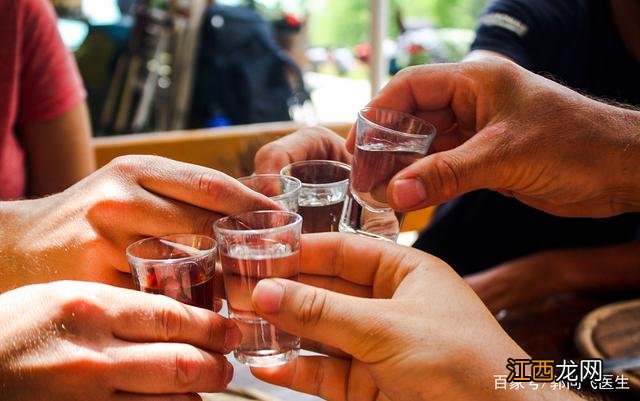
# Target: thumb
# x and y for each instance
(443, 176)
(333, 319)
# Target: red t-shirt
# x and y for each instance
(39, 81)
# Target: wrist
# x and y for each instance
(14, 216)
(616, 139)
(628, 159)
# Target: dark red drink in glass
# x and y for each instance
(179, 266)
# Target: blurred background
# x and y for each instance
(161, 65)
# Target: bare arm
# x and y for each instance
(606, 268)
(533, 278)
(58, 151)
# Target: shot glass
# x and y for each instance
(279, 188)
(387, 141)
(254, 246)
(325, 184)
(180, 266)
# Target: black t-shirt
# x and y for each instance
(576, 43)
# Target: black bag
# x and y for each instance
(242, 76)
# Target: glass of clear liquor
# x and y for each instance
(281, 189)
(325, 184)
(254, 246)
(180, 266)
(387, 141)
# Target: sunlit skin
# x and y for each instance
(82, 233)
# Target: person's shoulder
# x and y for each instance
(541, 6)
(35, 5)
(36, 10)
(536, 18)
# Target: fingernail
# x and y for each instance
(229, 372)
(232, 336)
(267, 296)
(408, 193)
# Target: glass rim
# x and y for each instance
(167, 261)
(317, 161)
(431, 127)
(273, 175)
(254, 231)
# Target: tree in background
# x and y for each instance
(337, 23)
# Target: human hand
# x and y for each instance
(424, 336)
(308, 143)
(88, 341)
(82, 233)
(504, 128)
(521, 281)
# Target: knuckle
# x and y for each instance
(77, 305)
(215, 333)
(169, 324)
(187, 371)
(445, 180)
(206, 181)
(312, 307)
(110, 206)
(264, 153)
(126, 165)
(209, 182)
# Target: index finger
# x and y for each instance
(140, 317)
(196, 185)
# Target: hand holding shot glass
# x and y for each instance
(387, 141)
(254, 246)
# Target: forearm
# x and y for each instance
(628, 129)
(606, 268)
(59, 151)
(12, 218)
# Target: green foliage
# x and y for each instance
(346, 22)
(336, 23)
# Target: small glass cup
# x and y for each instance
(387, 141)
(325, 184)
(180, 266)
(254, 246)
(281, 189)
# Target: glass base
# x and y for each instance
(346, 229)
(266, 358)
(361, 220)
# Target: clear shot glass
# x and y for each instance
(254, 246)
(387, 141)
(325, 184)
(281, 189)
(180, 266)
